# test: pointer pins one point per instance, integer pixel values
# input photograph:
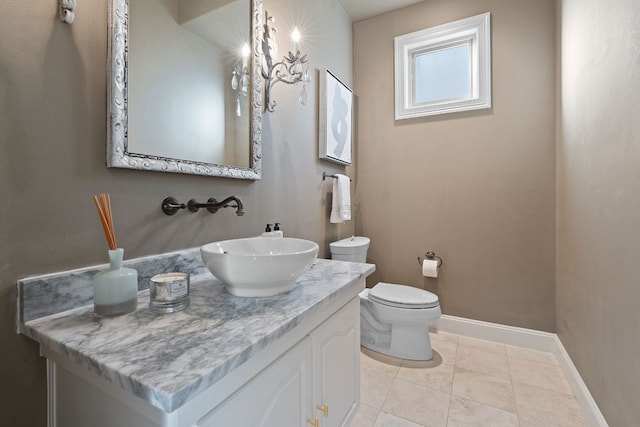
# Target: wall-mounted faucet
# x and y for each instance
(212, 205)
(171, 206)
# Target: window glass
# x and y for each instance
(442, 74)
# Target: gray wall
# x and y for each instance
(598, 162)
(52, 160)
(476, 187)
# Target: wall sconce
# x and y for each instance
(240, 77)
(66, 10)
(292, 69)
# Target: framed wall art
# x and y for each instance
(336, 119)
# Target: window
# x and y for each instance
(444, 69)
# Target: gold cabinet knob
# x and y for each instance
(324, 408)
(313, 421)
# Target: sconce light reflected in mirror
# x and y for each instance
(240, 77)
(292, 69)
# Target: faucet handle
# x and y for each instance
(268, 228)
(171, 206)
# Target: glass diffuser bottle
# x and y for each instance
(115, 290)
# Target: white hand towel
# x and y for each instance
(341, 200)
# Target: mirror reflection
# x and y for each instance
(188, 91)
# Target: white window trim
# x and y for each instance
(474, 31)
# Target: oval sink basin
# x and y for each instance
(259, 266)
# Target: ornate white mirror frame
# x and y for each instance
(118, 155)
(444, 69)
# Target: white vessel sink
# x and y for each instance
(259, 266)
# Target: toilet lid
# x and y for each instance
(402, 296)
(351, 241)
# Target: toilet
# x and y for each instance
(394, 319)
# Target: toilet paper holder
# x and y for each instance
(431, 255)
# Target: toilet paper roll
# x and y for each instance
(430, 267)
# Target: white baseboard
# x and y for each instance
(534, 340)
(580, 390)
(529, 338)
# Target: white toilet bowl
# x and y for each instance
(395, 320)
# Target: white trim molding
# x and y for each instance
(534, 340)
(580, 389)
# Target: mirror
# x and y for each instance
(184, 88)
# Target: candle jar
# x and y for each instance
(169, 292)
(115, 290)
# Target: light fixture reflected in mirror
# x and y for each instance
(240, 77)
(292, 69)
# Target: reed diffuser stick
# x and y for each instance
(103, 205)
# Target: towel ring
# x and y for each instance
(431, 255)
(326, 175)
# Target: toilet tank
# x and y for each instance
(352, 249)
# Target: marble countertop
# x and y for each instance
(166, 359)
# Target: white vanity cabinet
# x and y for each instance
(281, 395)
(312, 381)
(315, 383)
(336, 357)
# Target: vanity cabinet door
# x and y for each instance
(336, 350)
(280, 396)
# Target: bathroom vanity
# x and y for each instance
(286, 360)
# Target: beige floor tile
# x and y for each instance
(445, 345)
(379, 362)
(535, 355)
(532, 422)
(539, 374)
(389, 420)
(482, 344)
(541, 407)
(467, 413)
(365, 417)
(488, 389)
(466, 384)
(444, 336)
(480, 360)
(374, 387)
(417, 403)
(432, 373)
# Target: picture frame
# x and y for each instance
(335, 124)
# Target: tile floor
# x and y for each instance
(469, 382)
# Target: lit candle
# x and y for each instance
(295, 35)
(245, 54)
